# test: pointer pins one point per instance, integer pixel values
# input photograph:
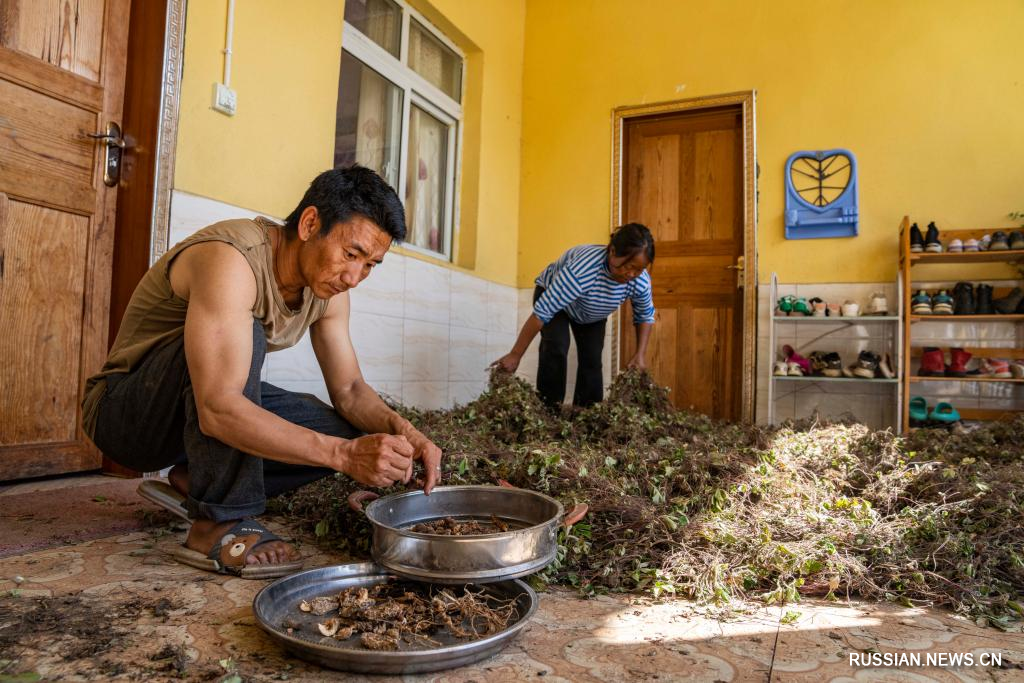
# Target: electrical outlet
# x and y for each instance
(225, 100)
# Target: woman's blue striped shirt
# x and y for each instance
(580, 284)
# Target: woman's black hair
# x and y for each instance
(340, 193)
(632, 238)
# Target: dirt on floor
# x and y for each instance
(92, 631)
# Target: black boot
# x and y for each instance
(931, 239)
(916, 240)
(983, 300)
(1009, 303)
(963, 299)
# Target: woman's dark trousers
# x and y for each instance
(552, 367)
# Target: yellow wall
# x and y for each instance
(928, 94)
(285, 71)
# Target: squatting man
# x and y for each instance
(181, 386)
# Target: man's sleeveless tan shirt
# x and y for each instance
(156, 315)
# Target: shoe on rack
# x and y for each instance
(921, 303)
(983, 300)
(957, 363)
(916, 240)
(866, 365)
(1017, 368)
(850, 309)
(931, 239)
(918, 411)
(785, 304)
(885, 369)
(971, 245)
(963, 298)
(999, 368)
(944, 412)
(1009, 303)
(933, 364)
(1016, 240)
(801, 307)
(878, 305)
(817, 307)
(833, 365)
(985, 242)
(833, 310)
(792, 357)
(781, 370)
(826, 364)
(942, 303)
(956, 246)
(795, 370)
(999, 241)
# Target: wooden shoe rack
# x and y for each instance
(983, 343)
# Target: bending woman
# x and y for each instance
(578, 292)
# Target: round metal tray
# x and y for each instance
(527, 547)
(280, 601)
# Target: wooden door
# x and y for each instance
(61, 79)
(683, 178)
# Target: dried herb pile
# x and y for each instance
(685, 505)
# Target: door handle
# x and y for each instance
(739, 268)
(115, 145)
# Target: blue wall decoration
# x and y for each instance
(821, 194)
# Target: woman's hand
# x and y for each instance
(509, 362)
(637, 362)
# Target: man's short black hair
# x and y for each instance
(341, 193)
(632, 238)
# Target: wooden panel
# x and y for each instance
(716, 196)
(42, 77)
(24, 462)
(65, 33)
(41, 291)
(45, 152)
(658, 201)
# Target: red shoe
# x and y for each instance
(958, 363)
(933, 364)
(793, 357)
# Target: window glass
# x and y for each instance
(368, 129)
(378, 20)
(425, 180)
(435, 61)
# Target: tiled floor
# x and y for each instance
(606, 639)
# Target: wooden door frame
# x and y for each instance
(141, 226)
(746, 100)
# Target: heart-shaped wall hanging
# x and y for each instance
(821, 194)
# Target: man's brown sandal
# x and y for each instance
(229, 554)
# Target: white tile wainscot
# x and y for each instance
(424, 334)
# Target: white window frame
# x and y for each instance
(426, 96)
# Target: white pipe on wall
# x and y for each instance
(227, 43)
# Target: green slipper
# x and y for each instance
(801, 306)
(944, 412)
(918, 409)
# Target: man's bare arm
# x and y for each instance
(221, 288)
(353, 398)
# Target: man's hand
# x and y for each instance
(509, 362)
(637, 362)
(379, 459)
(430, 455)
